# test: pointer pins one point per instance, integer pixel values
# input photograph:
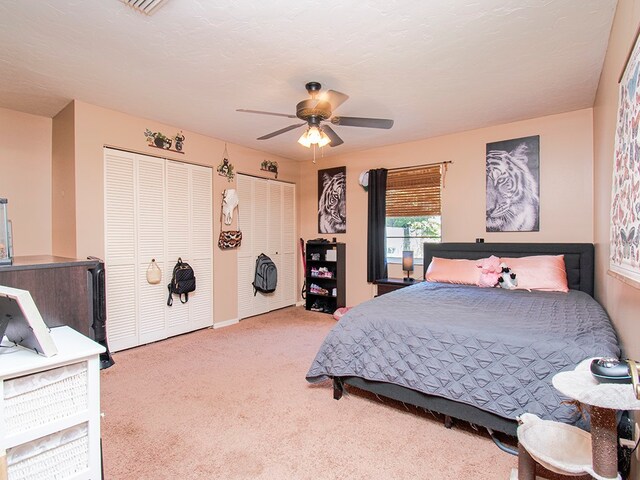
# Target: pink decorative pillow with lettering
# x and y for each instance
(448, 270)
(540, 272)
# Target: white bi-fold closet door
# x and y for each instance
(155, 209)
(266, 217)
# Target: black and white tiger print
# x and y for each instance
(332, 205)
(512, 192)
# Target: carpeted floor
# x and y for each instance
(234, 404)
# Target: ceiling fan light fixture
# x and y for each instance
(304, 140)
(324, 139)
(314, 136)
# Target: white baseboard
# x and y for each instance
(226, 323)
(300, 303)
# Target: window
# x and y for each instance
(413, 214)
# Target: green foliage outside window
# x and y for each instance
(409, 233)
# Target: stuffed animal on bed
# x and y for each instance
(507, 278)
(490, 271)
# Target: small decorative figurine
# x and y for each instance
(179, 138)
(225, 169)
(159, 140)
(269, 166)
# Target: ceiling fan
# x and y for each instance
(319, 108)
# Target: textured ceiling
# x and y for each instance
(435, 67)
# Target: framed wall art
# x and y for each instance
(624, 254)
(513, 185)
(332, 200)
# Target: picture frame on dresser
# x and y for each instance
(22, 324)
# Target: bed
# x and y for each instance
(482, 355)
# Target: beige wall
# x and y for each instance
(63, 184)
(25, 179)
(621, 301)
(566, 182)
(96, 127)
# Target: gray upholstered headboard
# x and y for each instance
(578, 257)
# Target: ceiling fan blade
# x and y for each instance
(282, 130)
(334, 98)
(362, 122)
(265, 113)
(333, 136)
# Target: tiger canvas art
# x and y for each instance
(513, 186)
(332, 200)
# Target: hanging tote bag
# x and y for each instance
(154, 274)
(229, 239)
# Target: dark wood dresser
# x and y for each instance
(61, 288)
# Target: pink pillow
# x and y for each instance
(448, 270)
(540, 272)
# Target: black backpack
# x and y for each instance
(266, 276)
(183, 281)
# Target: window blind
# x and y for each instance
(414, 192)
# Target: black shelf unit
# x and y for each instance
(316, 255)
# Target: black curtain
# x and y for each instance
(376, 254)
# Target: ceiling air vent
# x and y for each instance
(148, 7)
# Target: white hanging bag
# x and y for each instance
(154, 274)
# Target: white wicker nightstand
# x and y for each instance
(50, 410)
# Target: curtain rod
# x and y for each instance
(417, 167)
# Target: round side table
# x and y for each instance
(604, 400)
(565, 449)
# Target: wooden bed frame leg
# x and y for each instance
(448, 421)
(338, 388)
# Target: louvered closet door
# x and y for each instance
(155, 209)
(275, 239)
(282, 241)
(201, 248)
(189, 237)
(288, 250)
(260, 237)
(246, 260)
(120, 249)
(177, 231)
(151, 210)
(267, 220)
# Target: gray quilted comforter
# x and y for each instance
(488, 347)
